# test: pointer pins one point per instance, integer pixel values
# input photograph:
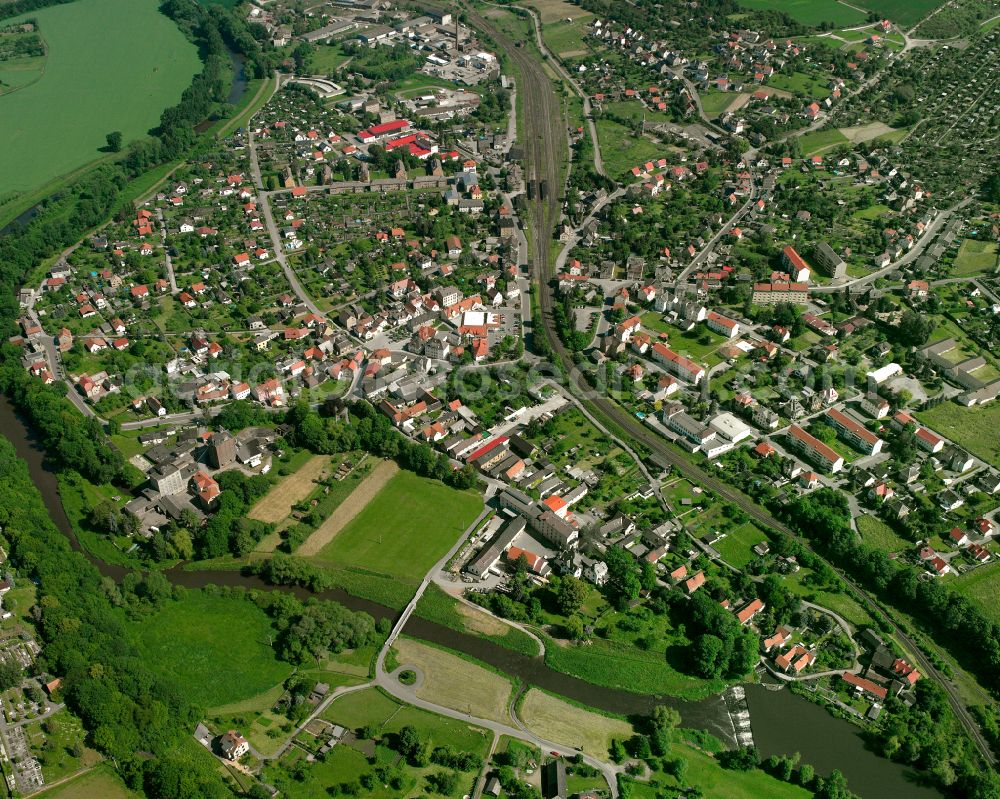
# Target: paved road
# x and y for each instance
(932, 230)
(541, 127)
(166, 252)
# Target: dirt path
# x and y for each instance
(277, 504)
(349, 508)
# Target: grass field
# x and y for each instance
(976, 429)
(143, 64)
(880, 535)
(569, 725)
(982, 585)
(622, 150)
(716, 782)
(737, 547)
(811, 12)
(821, 140)
(100, 781)
(715, 102)
(455, 682)
(567, 37)
(404, 530)
(975, 257)
(194, 640)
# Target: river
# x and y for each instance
(782, 722)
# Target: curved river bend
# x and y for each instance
(782, 722)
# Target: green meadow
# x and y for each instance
(111, 65)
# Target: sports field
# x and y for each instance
(811, 12)
(216, 649)
(404, 530)
(111, 65)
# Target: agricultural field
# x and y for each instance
(189, 640)
(142, 65)
(983, 586)
(101, 781)
(277, 503)
(401, 533)
(976, 429)
(878, 534)
(975, 257)
(903, 12)
(811, 12)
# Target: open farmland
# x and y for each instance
(811, 12)
(111, 65)
(278, 502)
(904, 12)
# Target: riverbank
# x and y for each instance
(782, 722)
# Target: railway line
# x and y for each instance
(543, 130)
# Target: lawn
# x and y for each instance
(193, 640)
(326, 58)
(101, 781)
(975, 257)
(737, 547)
(699, 343)
(714, 102)
(622, 150)
(880, 535)
(112, 65)
(983, 586)
(569, 725)
(800, 83)
(976, 429)
(567, 37)
(820, 140)
(404, 530)
(810, 12)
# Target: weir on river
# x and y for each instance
(777, 722)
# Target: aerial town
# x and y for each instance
(562, 399)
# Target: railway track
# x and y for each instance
(544, 128)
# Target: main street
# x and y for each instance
(544, 128)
